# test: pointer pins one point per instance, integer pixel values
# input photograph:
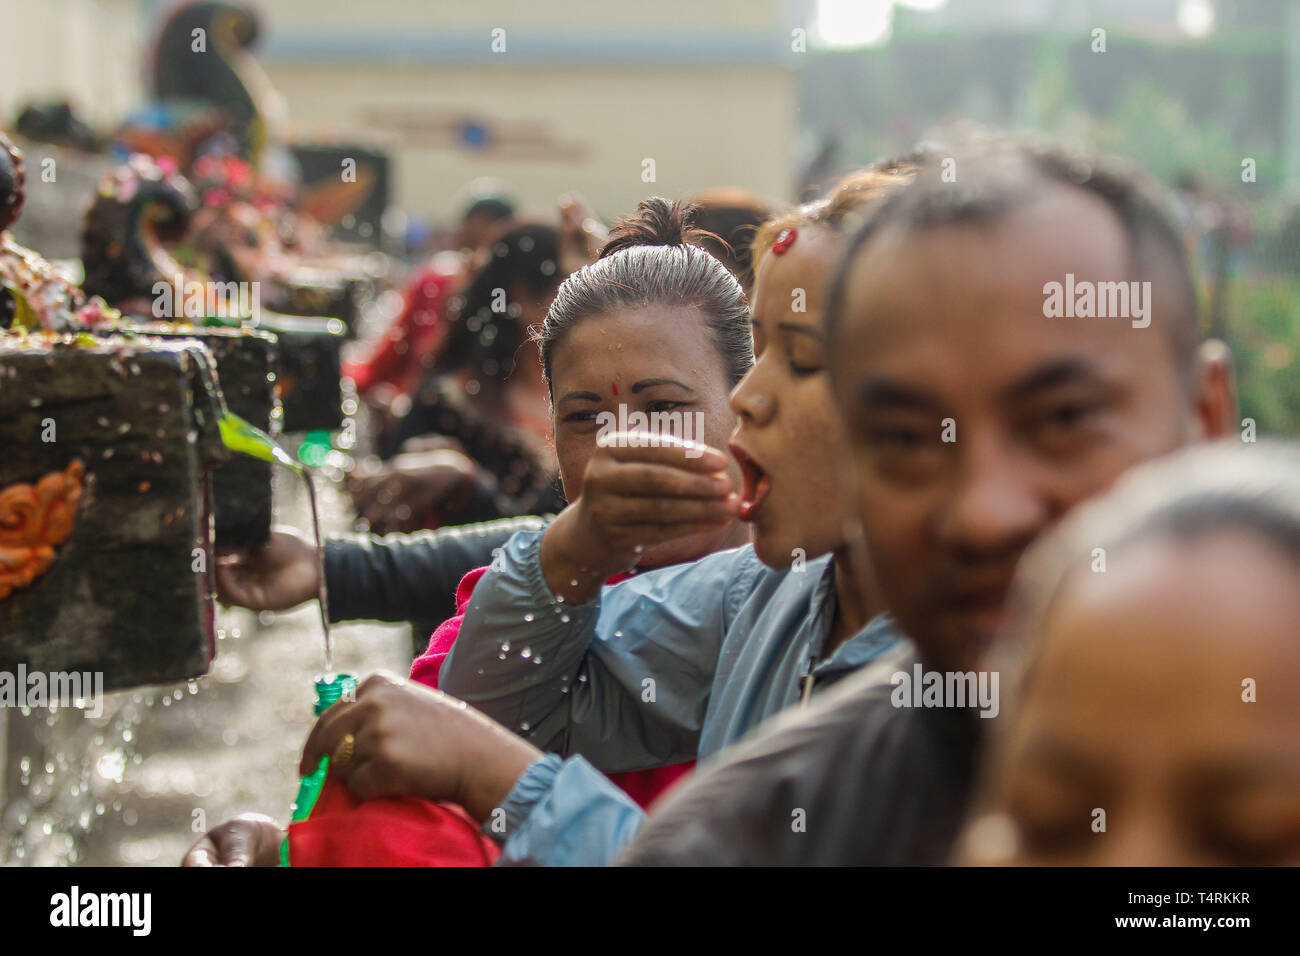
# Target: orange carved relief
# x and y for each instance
(34, 519)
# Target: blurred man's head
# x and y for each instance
(979, 413)
(482, 221)
(1141, 627)
(731, 217)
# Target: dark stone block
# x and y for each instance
(247, 366)
(129, 590)
(322, 297)
(310, 371)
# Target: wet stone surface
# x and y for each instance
(139, 784)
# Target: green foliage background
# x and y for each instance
(1179, 110)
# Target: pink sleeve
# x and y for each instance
(426, 666)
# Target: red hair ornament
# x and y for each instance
(784, 241)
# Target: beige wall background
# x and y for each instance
(703, 128)
(85, 50)
(584, 92)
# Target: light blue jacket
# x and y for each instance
(668, 666)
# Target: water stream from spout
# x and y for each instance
(238, 435)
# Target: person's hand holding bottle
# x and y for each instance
(411, 740)
(405, 740)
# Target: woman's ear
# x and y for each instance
(1216, 391)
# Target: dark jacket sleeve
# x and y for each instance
(851, 780)
(487, 501)
(410, 577)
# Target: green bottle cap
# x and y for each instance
(333, 687)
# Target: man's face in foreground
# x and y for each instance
(943, 336)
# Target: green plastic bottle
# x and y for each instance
(330, 688)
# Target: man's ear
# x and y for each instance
(1216, 391)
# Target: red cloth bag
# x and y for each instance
(343, 830)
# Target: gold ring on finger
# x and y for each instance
(343, 753)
